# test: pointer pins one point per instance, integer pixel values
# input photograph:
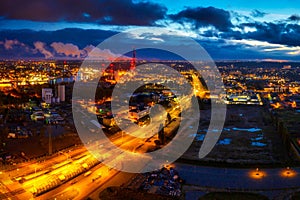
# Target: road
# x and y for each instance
(81, 186)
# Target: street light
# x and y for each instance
(288, 173)
(257, 174)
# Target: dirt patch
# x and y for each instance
(248, 137)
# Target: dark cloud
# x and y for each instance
(276, 33)
(257, 13)
(273, 32)
(294, 18)
(118, 12)
(203, 17)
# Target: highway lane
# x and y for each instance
(82, 185)
(8, 179)
(24, 169)
(57, 176)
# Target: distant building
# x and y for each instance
(47, 95)
(61, 92)
(287, 67)
(79, 76)
(246, 98)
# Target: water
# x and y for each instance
(255, 141)
(257, 138)
(252, 130)
(225, 141)
(198, 137)
(258, 144)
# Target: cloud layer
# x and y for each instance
(248, 33)
(56, 50)
(66, 49)
(203, 17)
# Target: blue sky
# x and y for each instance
(281, 7)
(226, 29)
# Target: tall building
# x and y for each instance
(47, 95)
(61, 92)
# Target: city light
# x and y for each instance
(257, 174)
(149, 99)
(288, 173)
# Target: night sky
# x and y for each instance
(51, 29)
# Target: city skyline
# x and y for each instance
(149, 99)
(60, 30)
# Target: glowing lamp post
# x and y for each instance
(257, 174)
(288, 173)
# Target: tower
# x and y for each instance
(61, 92)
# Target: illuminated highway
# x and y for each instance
(38, 178)
(74, 173)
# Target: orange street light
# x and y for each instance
(257, 174)
(288, 173)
